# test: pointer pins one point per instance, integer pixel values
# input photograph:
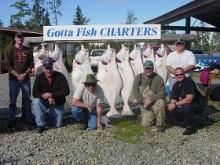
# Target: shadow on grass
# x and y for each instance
(21, 125)
(128, 130)
(210, 116)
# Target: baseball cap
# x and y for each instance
(148, 64)
(48, 62)
(180, 42)
(19, 34)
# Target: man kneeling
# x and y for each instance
(149, 91)
(49, 91)
(87, 103)
(185, 98)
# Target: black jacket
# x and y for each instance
(59, 87)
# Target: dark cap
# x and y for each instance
(19, 34)
(148, 64)
(180, 42)
(48, 62)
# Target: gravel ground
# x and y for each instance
(71, 145)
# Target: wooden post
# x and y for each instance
(187, 31)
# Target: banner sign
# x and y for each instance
(102, 32)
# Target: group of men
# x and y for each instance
(49, 91)
(51, 87)
(185, 99)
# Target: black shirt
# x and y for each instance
(183, 88)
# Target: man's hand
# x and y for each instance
(22, 76)
(147, 102)
(51, 100)
(171, 106)
(90, 108)
(46, 95)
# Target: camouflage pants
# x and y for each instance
(155, 113)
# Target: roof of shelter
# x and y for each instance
(205, 10)
(27, 33)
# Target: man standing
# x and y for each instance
(88, 103)
(148, 90)
(180, 58)
(185, 98)
(49, 91)
(20, 61)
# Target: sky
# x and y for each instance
(103, 11)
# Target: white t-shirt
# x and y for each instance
(89, 97)
(182, 60)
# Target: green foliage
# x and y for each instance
(78, 18)
(46, 18)
(128, 130)
(203, 40)
(131, 18)
(1, 23)
(216, 42)
(23, 10)
(39, 16)
(5, 40)
(217, 124)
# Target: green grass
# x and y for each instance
(217, 124)
(215, 104)
(128, 130)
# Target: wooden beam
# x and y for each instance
(11, 32)
(183, 28)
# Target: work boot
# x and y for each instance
(189, 131)
(40, 129)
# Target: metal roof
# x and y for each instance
(205, 10)
(11, 32)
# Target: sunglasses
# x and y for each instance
(148, 68)
(48, 67)
(181, 74)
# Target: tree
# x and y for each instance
(203, 40)
(54, 6)
(39, 16)
(1, 23)
(216, 41)
(46, 20)
(23, 10)
(131, 18)
(78, 18)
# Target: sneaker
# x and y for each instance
(157, 129)
(40, 129)
(188, 131)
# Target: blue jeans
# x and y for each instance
(55, 115)
(90, 118)
(187, 111)
(14, 88)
